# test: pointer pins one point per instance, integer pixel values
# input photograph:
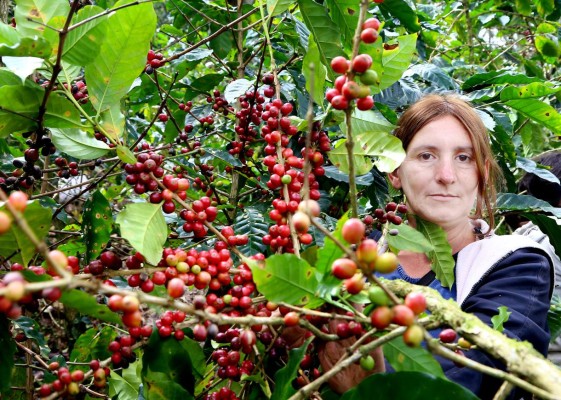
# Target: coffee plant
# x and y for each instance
(188, 188)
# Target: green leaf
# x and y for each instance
(539, 111)
(409, 238)
(125, 154)
(144, 226)
(325, 32)
(554, 318)
(285, 376)
(8, 78)
(97, 224)
(499, 319)
(92, 344)
(126, 386)
(61, 113)
(396, 61)
(403, 12)
(532, 167)
(251, 222)
(87, 304)
(441, 257)
(524, 7)
(15, 241)
(419, 386)
(32, 15)
(339, 157)
(83, 43)
(387, 148)
(122, 57)
(112, 121)
(170, 368)
(345, 15)
(32, 330)
(13, 44)
(545, 7)
(286, 278)
(276, 7)
(533, 90)
(7, 352)
(18, 109)
(314, 72)
(521, 202)
(78, 144)
(405, 358)
(548, 226)
(237, 88)
(496, 78)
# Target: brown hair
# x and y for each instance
(436, 106)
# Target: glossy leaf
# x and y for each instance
(548, 226)
(345, 15)
(287, 374)
(86, 304)
(499, 319)
(113, 121)
(333, 173)
(275, 7)
(339, 157)
(8, 78)
(144, 226)
(409, 238)
(420, 386)
(251, 222)
(127, 385)
(403, 12)
(32, 15)
(170, 368)
(39, 220)
(314, 72)
(545, 7)
(368, 121)
(125, 154)
(531, 167)
(524, 7)
(434, 74)
(78, 144)
(521, 202)
(532, 90)
(396, 61)
(325, 32)
(441, 257)
(122, 58)
(286, 278)
(496, 78)
(237, 88)
(387, 148)
(84, 42)
(7, 353)
(18, 109)
(97, 223)
(92, 344)
(404, 358)
(61, 113)
(32, 330)
(12, 43)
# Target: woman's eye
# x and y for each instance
(425, 156)
(464, 157)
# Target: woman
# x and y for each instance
(449, 170)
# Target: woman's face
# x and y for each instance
(439, 175)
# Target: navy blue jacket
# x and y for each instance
(523, 282)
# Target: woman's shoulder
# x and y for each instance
(479, 258)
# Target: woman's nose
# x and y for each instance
(445, 172)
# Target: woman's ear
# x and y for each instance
(394, 179)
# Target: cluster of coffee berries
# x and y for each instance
(401, 314)
(129, 305)
(224, 393)
(79, 91)
(121, 350)
(66, 169)
(269, 80)
(139, 173)
(247, 118)
(201, 211)
(153, 61)
(228, 359)
(220, 103)
(388, 214)
(167, 324)
(65, 381)
(347, 90)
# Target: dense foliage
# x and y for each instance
(172, 152)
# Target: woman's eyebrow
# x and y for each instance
(430, 147)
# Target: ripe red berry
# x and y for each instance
(353, 230)
(365, 103)
(367, 251)
(291, 319)
(381, 317)
(343, 268)
(416, 302)
(18, 200)
(176, 287)
(447, 335)
(373, 23)
(369, 35)
(339, 102)
(340, 64)
(403, 315)
(354, 284)
(361, 63)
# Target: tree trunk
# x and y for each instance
(4, 7)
